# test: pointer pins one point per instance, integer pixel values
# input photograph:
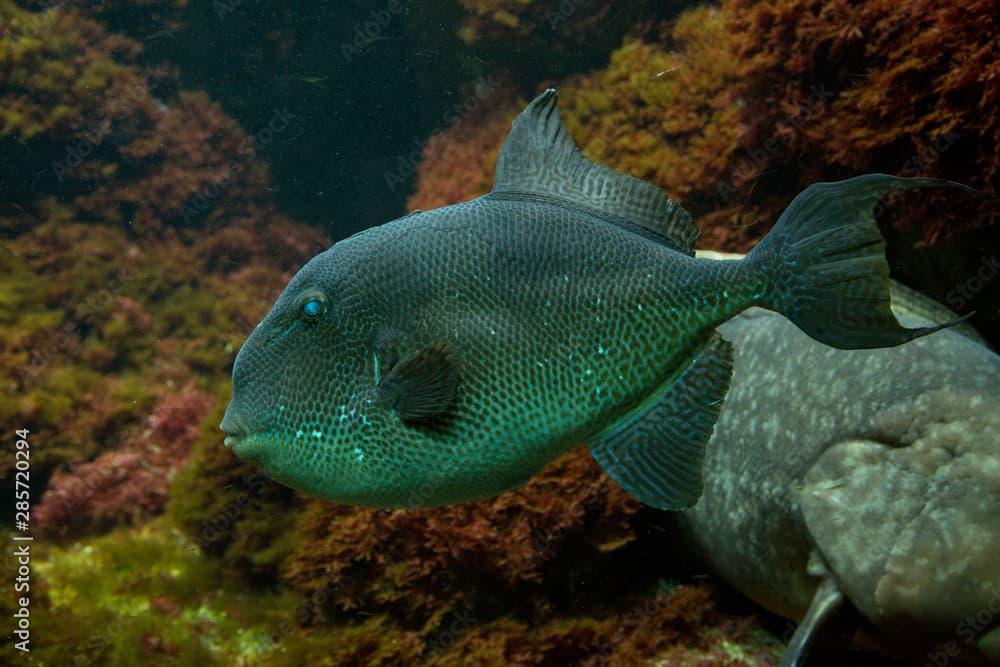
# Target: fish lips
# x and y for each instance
(241, 445)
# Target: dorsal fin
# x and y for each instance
(540, 157)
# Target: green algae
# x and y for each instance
(150, 596)
(145, 595)
(228, 508)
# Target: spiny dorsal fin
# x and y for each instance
(540, 157)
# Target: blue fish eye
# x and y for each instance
(313, 304)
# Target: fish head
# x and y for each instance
(907, 522)
(302, 390)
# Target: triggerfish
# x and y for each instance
(450, 354)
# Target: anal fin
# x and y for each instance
(657, 453)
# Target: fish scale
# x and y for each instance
(450, 354)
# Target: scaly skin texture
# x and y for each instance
(878, 468)
(560, 322)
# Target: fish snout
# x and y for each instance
(232, 426)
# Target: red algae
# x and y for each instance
(419, 561)
(130, 482)
(734, 110)
(119, 256)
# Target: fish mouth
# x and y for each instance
(238, 442)
(247, 441)
(232, 428)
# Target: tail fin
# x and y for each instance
(825, 260)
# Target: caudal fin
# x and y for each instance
(825, 263)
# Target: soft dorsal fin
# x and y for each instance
(540, 157)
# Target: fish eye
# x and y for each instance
(313, 304)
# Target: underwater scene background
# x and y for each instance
(166, 167)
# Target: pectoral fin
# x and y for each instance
(421, 385)
(387, 351)
(823, 638)
(656, 454)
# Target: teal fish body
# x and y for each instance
(549, 344)
(449, 355)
